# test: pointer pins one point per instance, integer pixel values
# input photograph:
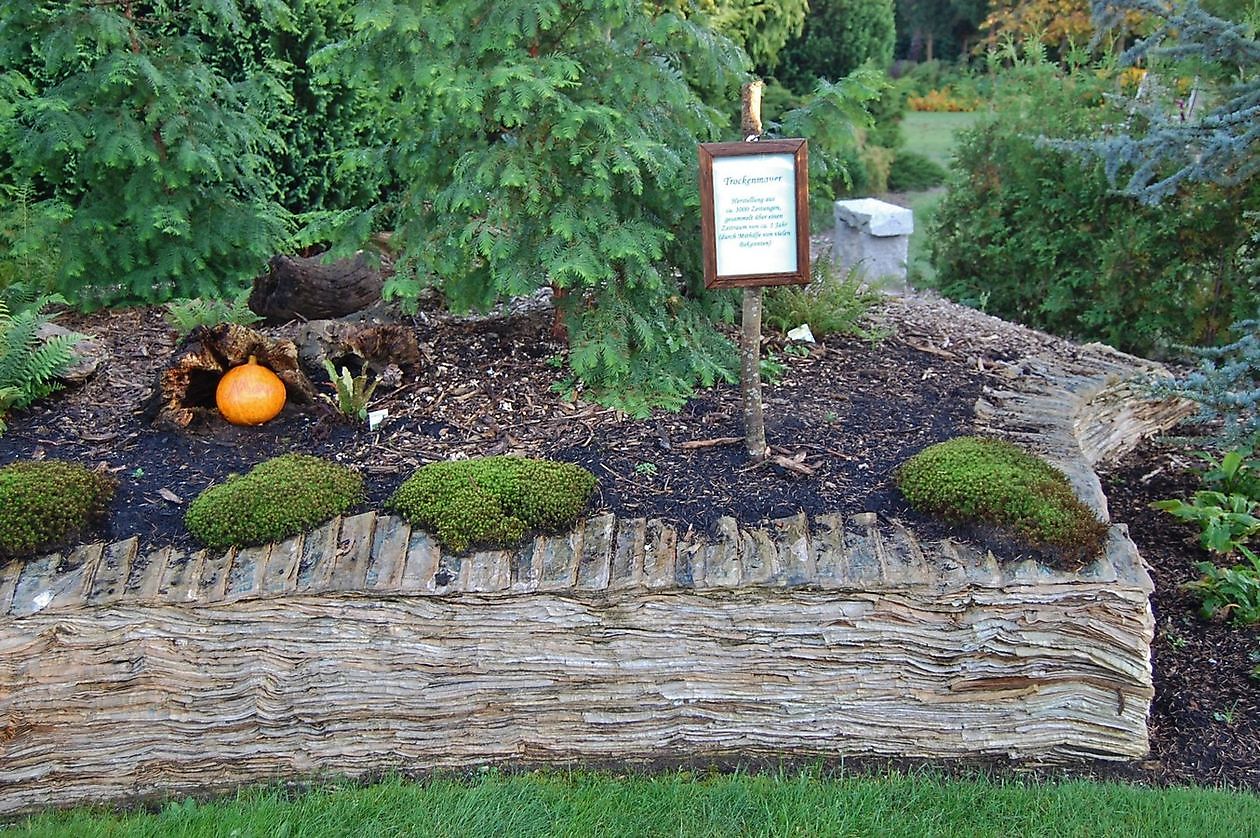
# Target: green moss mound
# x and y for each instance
(274, 500)
(44, 504)
(493, 501)
(1001, 488)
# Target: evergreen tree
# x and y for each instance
(761, 27)
(151, 165)
(1166, 148)
(552, 142)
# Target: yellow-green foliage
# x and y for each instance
(493, 501)
(970, 480)
(274, 500)
(43, 504)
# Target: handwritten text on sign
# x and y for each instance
(754, 205)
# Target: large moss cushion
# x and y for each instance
(1004, 493)
(493, 501)
(47, 503)
(274, 500)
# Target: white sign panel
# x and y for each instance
(754, 208)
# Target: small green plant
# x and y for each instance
(646, 469)
(276, 499)
(353, 393)
(1237, 473)
(1225, 521)
(830, 304)
(772, 369)
(187, 314)
(48, 502)
(1227, 716)
(493, 501)
(1254, 657)
(994, 484)
(29, 364)
(1229, 592)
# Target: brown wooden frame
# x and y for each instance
(708, 234)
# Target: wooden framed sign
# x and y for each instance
(754, 213)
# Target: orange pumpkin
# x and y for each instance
(249, 394)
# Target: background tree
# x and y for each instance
(761, 27)
(938, 29)
(1056, 23)
(839, 36)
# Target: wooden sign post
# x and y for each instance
(754, 223)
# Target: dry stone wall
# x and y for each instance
(362, 646)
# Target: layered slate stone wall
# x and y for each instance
(363, 647)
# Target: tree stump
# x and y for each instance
(376, 346)
(307, 288)
(185, 390)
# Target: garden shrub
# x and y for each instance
(162, 153)
(1037, 235)
(943, 100)
(493, 501)
(47, 503)
(912, 172)
(995, 485)
(278, 498)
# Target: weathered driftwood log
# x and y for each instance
(308, 288)
(185, 389)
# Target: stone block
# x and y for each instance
(873, 237)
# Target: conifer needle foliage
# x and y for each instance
(154, 163)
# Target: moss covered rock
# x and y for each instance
(1004, 491)
(493, 501)
(274, 500)
(44, 504)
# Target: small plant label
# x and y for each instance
(755, 213)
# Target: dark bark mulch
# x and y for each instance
(849, 410)
(1205, 720)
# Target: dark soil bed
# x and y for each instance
(1205, 720)
(851, 410)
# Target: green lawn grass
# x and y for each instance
(558, 803)
(932, 134)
